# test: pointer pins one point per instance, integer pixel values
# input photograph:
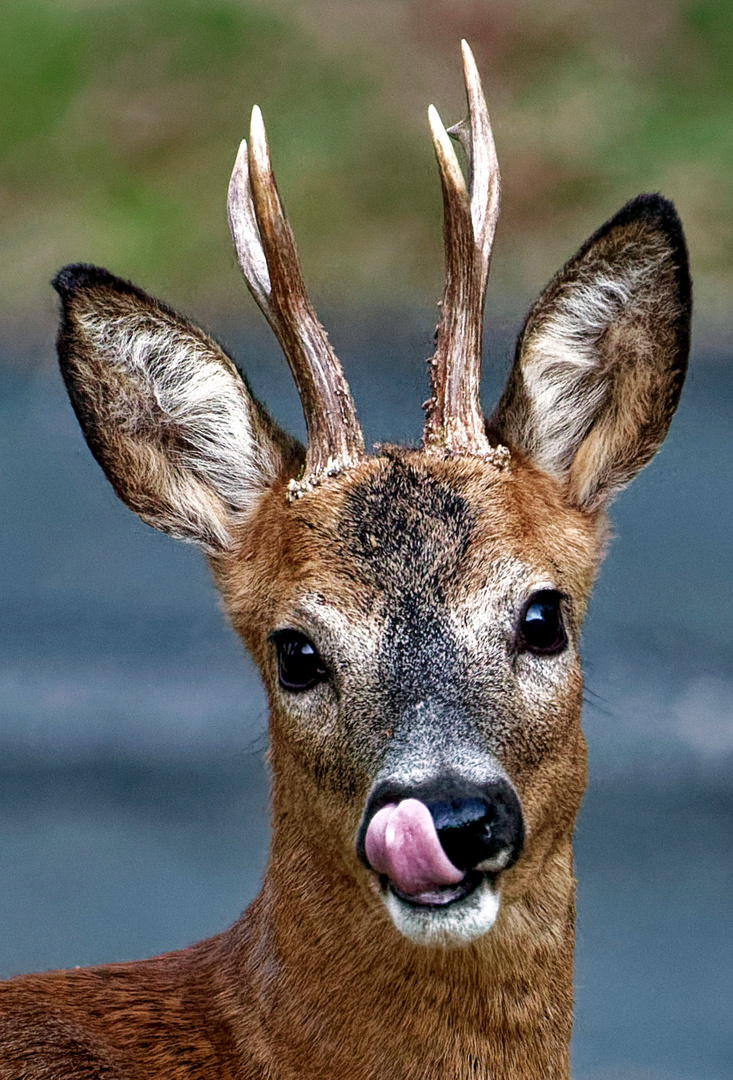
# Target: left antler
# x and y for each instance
(266, 252)
(453, 415)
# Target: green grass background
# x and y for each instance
(120, 120)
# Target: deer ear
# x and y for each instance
(165, 412)
(602, 356)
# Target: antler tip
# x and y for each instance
(240, 162)
(470, 68)
(450, 170)
(436, 124)
(259, 150)
(257, 127)
(438, 131)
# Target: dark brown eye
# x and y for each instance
(299, 665)
(541, 629)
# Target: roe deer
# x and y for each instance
(415, 614)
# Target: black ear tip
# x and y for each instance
(70, 279)
(654, 203)
(655, 209)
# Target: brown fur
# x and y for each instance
(314, 975)
(408, 571)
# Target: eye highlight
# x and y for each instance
(299, 665)
(541, 630)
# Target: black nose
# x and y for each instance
(477, 832)
(480, 826)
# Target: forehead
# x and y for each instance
(403, 526)
(409, 524)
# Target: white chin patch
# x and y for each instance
(449, 926)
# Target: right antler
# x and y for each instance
(453, 415)
(266, 253)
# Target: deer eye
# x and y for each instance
(299, 665)
(541, 628)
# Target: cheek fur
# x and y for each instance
(545, 715)
(340, 743)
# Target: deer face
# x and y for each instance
(415, 614)
(421, 648)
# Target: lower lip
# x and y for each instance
(441, 898)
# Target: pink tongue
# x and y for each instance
(402, 843)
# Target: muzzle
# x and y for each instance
(434, 842)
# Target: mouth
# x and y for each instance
(437, 852)
(430, 899)
(448, 917)
(439, 897)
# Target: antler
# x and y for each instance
(266, 253)
(454, 420)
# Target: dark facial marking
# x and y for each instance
(407, 531)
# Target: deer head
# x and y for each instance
(415, 612)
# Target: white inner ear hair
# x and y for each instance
(185, 397)
(567, 375)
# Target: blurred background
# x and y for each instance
(133, 794)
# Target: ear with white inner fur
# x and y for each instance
(164, 410)
(602, 356)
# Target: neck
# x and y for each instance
(332, 989)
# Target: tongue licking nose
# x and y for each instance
(402, 842)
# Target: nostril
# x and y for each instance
(457, 813)
(464, 828)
